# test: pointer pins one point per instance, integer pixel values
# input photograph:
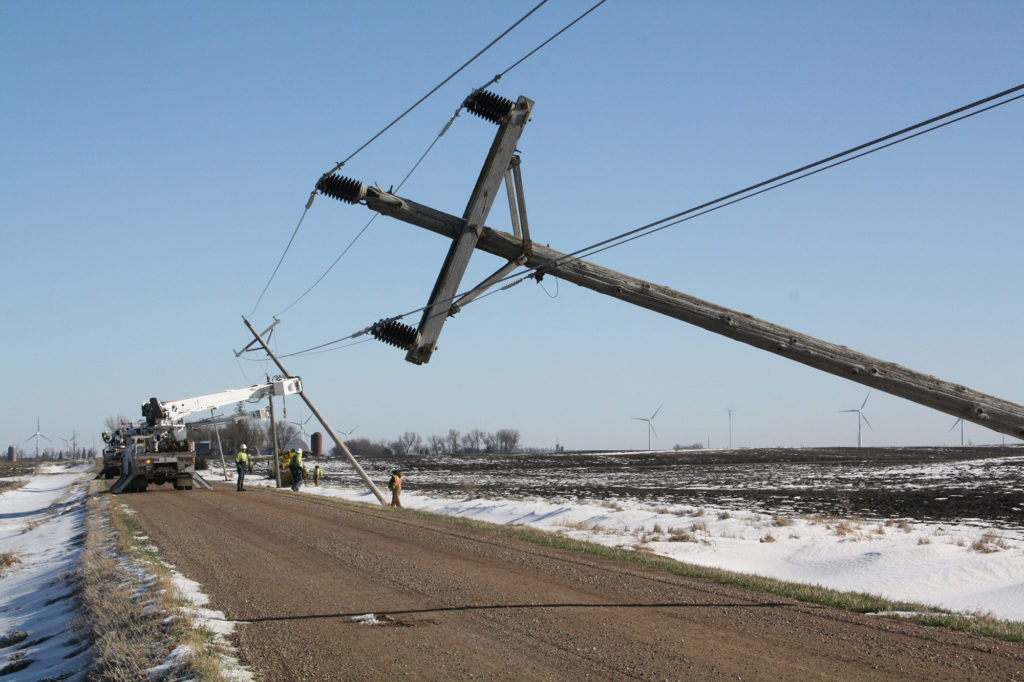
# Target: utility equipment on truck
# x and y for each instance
(156, 449)
(113, 446)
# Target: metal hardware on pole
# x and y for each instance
(439, 307)
(309, 403)
(268, 330)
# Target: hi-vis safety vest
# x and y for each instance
(395, 483)
(296, 460)
(242, 457)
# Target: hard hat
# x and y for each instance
(396, 472)
(242, 446)
(299, 451)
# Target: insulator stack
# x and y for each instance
(341, 188)
(488, 105)
(395, 333)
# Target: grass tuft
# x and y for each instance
(8, 559)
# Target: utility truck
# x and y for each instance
(156, 449)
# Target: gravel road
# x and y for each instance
(297, 572)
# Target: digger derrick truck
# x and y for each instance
(156, 449)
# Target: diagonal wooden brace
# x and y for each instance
(491, 175)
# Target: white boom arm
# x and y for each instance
(177, 410)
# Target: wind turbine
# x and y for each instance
(860, 416)
(650, 425)
(961, 423)
(71, 443)
(302, 428)
(37, 435)
(348, 433)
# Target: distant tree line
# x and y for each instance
(502, 441)
(257, 437)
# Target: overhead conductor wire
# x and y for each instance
(726, 200)
(448, 125)
(309, 202)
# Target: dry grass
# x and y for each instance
(924, 540)
(8, 559)
(126, 594)
(990, 542)
(781, 521)
(681, 535)
(844, 528)
(724, 516)
(768, 538)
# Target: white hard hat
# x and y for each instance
(299, 451)
(243, 446)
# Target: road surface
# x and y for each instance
(298, 572)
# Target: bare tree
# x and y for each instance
(409, 442)
(490, 443)
(473, 440)
(437, 444)
(453, 442)
(243, 430)
(506, 440)
(114, 422)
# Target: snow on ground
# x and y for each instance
(959, 567)
(42, 524)
(952, 566)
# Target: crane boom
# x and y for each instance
(176, 410)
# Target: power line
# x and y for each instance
(437, 87)
(821, 162)
(733, 197)
(374, 217)
(438, 137)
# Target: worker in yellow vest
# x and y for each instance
(317, 475)
(242, 466)
(296, 467)
(395, 486)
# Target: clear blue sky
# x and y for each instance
(155, 158)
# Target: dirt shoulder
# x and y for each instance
(461, 603)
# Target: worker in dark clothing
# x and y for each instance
(242, 466)
(395, 486)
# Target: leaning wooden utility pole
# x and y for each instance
(275, 458)
(220, 448)
(309, 403)
(988, 411)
